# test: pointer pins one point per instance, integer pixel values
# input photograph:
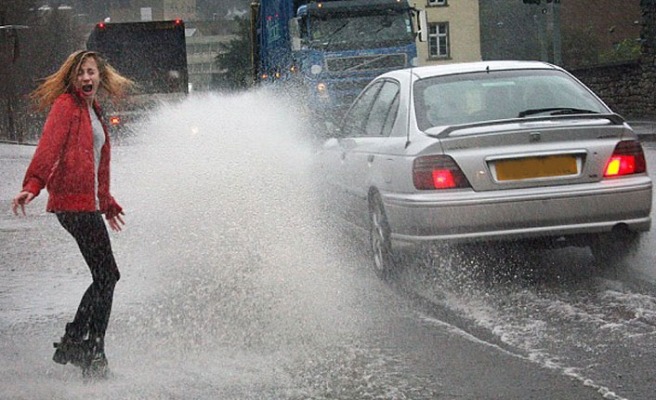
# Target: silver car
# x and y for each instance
(486, 152)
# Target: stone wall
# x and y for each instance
(627, 88)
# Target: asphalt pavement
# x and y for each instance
(238, 288)
(233, 290)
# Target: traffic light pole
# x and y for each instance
(556, 41)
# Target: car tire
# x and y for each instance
(612, 250)
(380, 240)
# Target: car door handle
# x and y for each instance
(370, 158)
(343, 156)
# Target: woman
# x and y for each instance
(72, 162)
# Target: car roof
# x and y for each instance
(478, 66)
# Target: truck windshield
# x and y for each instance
(342, 31)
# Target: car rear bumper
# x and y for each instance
(468, 216)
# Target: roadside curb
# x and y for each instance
(16, 143)
(644, 128)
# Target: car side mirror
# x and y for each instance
(422, 26)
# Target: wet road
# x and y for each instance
(236, 286)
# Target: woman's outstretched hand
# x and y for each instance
(21, 200)
(116, 223)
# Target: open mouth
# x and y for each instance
(87, 88)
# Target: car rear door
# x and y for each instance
(333, 155)
(364, 156)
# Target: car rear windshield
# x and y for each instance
(495, 95)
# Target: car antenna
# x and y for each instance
(407, 131)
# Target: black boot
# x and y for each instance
(70, 350)
(96, 365)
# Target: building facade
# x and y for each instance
(151, 10)
(202, 50)
(453, 32)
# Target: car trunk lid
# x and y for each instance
(532, 153)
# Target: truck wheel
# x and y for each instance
(380, 240)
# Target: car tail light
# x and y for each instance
(437, 172)
(628, 158)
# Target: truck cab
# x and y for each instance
(327, 51)
(343, 45)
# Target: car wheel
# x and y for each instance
(380, 240)
(613, 249)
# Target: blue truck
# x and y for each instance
(329, 50)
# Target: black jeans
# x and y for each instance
(90, 232)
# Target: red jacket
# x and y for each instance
(64, 161)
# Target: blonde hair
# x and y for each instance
(63, 80)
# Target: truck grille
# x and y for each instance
(364, 63)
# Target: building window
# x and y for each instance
(437, 3)
(438, 40)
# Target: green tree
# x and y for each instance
(626, 50)
(234, 59)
